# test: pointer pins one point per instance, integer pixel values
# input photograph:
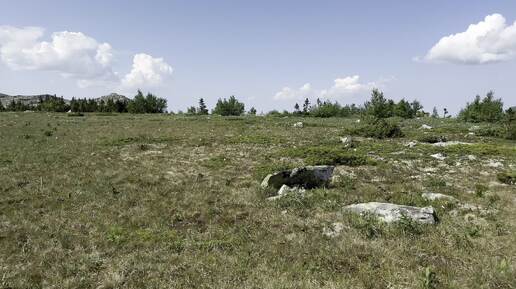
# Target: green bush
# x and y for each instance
(429, 138)
(146, 104)
(378, 128)
(507, 177)
(488, 109)
(229, 107)
(325, 155)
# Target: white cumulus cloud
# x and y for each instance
(72, 54)
(76, 55)
(342, 87)
(146, 71)
(490, 40)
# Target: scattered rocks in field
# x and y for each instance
(334, 230)
(439, 156)
(449, 143)
(298, 125)
(392, 213)
(411, 144)
(308, 177)
(436, 196)
(425, 126)
(285, 190)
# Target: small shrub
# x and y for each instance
(429, 279)
(368, 224)
(75, 114)
(431, 138)
(480, 190)
(378, 128)
(407, 226)
(48, 133)
(326, 155)
(507, 177)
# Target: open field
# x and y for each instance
(161, 201)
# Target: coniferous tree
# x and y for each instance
(435, 114)
(252, 111)
(203, 110)
(296, 109)
(306, 106)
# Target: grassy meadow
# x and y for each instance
(164, 201)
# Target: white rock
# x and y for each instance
(474, 128)
(472, 157)
(334, 230)
(424, 126)
(284, 190)
(437, 196)
(393, 213)
(494, 164)
(347, 141)
(449, 143)
(298, 125)
(411, 144)
(439, 156)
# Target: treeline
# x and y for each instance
(378, 106)
(139, 104)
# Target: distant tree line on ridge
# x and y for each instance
(139, 104)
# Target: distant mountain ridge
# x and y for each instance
(33, 100)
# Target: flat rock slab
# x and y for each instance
(392, 213)
(308, 177)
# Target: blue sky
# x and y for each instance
(270, 54)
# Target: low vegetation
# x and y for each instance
(109, 200)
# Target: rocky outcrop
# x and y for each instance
(308, 177)
(393, 213)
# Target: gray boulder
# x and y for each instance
(308, 177)
(393, 213)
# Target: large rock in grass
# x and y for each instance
(393, 213)
(308, 177)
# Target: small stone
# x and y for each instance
(439, 156)
(298, 125)
(347, 141)
(334, 230)
(472, 157)
(411, 144)
(424, 126)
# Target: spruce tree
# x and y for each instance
(306, 106)
(435, 114)
(203, 110)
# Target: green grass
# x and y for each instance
(160, 201)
